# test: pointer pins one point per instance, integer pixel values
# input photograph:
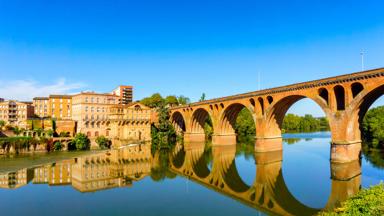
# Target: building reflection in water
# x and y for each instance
(121, 167)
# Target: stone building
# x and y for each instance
(130, 122)
(90, 110)
(16, 113)
(41, 105)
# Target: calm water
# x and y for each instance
(194, 179)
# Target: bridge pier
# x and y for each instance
(268, 144)
(194, 137)
(344, 153)
(224, 139)
(346, 182)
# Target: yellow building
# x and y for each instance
(91, 112)
(54, 106)
(41, 105)
(60, 106)
(16, 113)
(130, 122)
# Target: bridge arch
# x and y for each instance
(178, 122)
(199, 117)
(276, 113)
(360, 106)
(227, 119)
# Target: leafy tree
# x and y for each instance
(103, 142)
(307, 123)
(171, 100)
(183, 100)
(57, 146)
(245, 126)
(202, 98)
(81, 142)
(50, 132)
(153, 101)
(372, 127)
(163, 134)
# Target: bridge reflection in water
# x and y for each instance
(269, 192)
(122, 167)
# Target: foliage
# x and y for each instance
(103, 142)
(57, 146)
(245, 126)
(202, 98)
(171, 100)
(366, 202)
(64, 134)
(163, 134)
(17, 131)
(81, 142)
(307, 123)
(183, 100)
(208, 129)
(372, 127)
(161, 171)
(374, 156)
(50, 132)
(156, 100)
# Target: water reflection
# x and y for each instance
(89, 173)
(269, 191)
(214, 167)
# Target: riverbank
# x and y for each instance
(367, 202)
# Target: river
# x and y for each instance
(191, 179)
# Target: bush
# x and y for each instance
(103, 142)
(366, 202)
(57, 146)
(82, 142)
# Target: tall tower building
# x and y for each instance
(125, 94)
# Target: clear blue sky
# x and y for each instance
(183, 47)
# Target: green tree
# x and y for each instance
(163, 134)
(202, 98)
(245, 126)
(103, 142)
(81, 142)
(17, 131)
(57, 146)
(183, 100)
(171, 100)
(372, 127)
(153, 101)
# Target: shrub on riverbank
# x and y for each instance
(366, 202)
(103, 142)
(80, 142)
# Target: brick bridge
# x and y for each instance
(344, 99)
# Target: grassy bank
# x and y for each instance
(367, 202)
